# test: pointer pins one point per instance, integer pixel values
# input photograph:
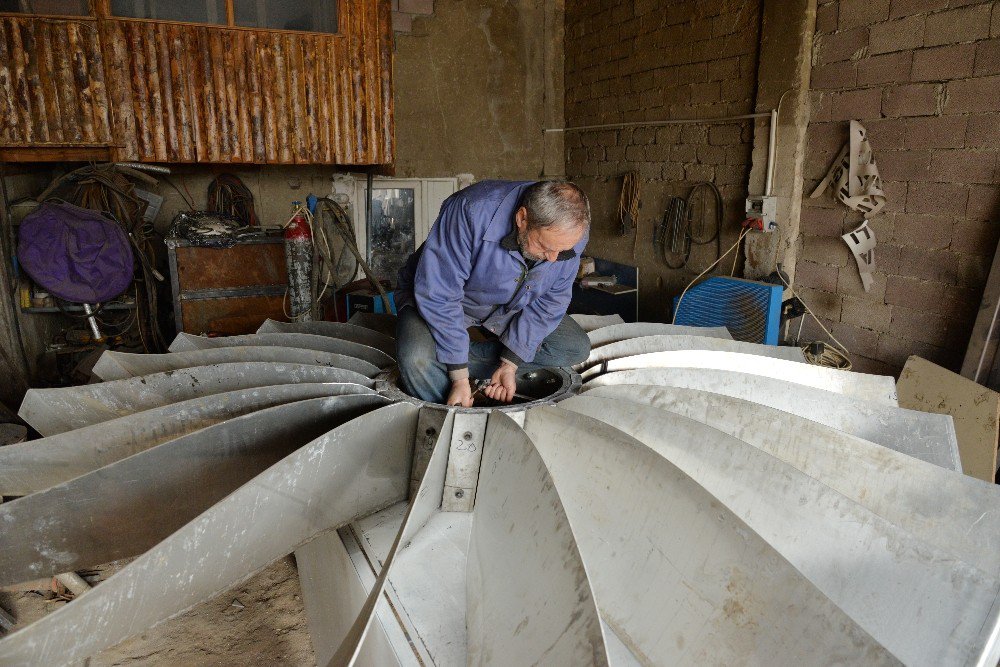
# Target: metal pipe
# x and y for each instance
(92, 321)
(653, 123)
(139, 166)
(73, 582)
(771, 143)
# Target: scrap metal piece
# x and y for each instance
(185, 342)
(340, 330)
(619, 332)
(920, 434)
(920, 602)
(889, 483)
(649, 533)
(529, 598)
(634, 347)
(347, 473)
(873, 388)
(80, 524)
(33, 466)
(114, 365)
(52, 411)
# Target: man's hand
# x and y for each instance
(503, 384)
(461, 393)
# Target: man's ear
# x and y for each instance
(521, 219)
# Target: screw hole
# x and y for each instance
(430, 431)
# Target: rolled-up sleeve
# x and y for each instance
(439, 284)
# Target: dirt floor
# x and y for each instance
(261, 622)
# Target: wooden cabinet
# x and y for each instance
(157, 91)
(227, 291)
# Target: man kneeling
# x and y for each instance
(499, 262)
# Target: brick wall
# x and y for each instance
(923, 76)
(648, 60)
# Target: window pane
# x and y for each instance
(190, 11)
(391, 231)
(51, 7)
(311, 15)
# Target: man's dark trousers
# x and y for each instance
(424, 377)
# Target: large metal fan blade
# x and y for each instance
(187, 342)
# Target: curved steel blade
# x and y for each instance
(340, 330)
(39, 464)
(677, 575)
(529, 597)
(114, 365)
(350, 472)
(926, 436)
(892, 484)
(873, 388)
(921, 602)
(619, 332)
(590, 322)
(426, 502)
(678, 343)
(81, 523)
(380, 322)
(52, 411)
(185, 342)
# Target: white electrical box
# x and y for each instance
(764, 209)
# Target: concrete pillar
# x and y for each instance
(782, 71)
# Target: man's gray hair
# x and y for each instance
(558, 204)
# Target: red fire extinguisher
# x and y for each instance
(299, 259)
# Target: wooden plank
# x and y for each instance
(55, 153)
(974, 408)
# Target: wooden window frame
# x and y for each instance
(101, 9)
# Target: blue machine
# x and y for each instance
(750, 310)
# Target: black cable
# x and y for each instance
(717, 202)
(227, 194)
(670, 236)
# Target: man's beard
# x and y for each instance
(522, 242)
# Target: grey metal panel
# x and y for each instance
(52, 411)
(529, 599)
(590, 322)
(872, 388)
(920, 601)
(120, 365)
(618, 332)
(341, 330)
(382, 323)
(424, 505)
(920, 434)
(185, 342)
(83, 523)
(333, 593)
(349, 472)
(676, 343)
(39, 464)
(891, 484)
(676, 574)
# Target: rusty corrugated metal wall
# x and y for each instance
(199, 93)
(52, 83)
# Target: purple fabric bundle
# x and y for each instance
(74, 253)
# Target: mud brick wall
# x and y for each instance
(648, 60)
(923, 76)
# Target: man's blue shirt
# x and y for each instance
(470, 272)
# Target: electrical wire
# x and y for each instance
(827, 356)
(687, 222)
(709, 268)
(227, 194)
(628, 204)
